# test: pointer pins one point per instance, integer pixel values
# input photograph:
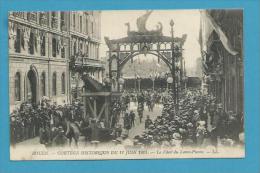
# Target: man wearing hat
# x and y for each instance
(60, 139)
(132, 118)
(148, 122)
(212, 108)
(127, 122)
(140, 110)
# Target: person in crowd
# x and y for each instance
(149, 102)
(190, 124)
(232, 127)
(60, 139)
(127, 122)
(201, 132)
(221, 122)
(94, 130)
(148, 122)
(132, 118)
(212, 108)
(140, 110)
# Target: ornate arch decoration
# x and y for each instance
(155, 53)
(144, 42)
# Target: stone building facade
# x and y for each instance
(222, 60)
(38, 56)
(85, 39)
(41, 45)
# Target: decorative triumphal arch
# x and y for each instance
(167, 48)
(98, 100)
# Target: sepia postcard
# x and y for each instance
(126, 84)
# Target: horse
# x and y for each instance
(72, 130)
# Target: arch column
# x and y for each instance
(114, 71)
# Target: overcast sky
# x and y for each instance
(186, 22)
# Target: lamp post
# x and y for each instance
(169, 80)
(185, 79)
(121, 82)
(139, 83)
(152, 76)
(135, 81)
(173, 67)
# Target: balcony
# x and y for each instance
(78, 62)
(93, 62)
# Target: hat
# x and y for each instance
(220, 106)
(119, 140)
(202, 123)
(176, 136)
(150, 137)
(137, 137)
(190, 125)
(60, 129)
(181, 130)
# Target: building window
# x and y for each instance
(92, 27)
(75, 48)
(63, 83)
(17, 86)
(17, 44)
(80, 23)
(86, 50)
(32, 16)
(54, 84)
(62, 21)
(54, 47)
(43, 85)
(54, 21)
(43, 46)
(81, 48)
(31, 43)
(43, 18)
(18, 14)
(97, 52)
(62, 52)
(87, 25)
(74, 21)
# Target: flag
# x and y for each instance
(200, 36)
(208, 25)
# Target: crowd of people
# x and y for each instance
(121, 110)
(199, 122)
(45, 120)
